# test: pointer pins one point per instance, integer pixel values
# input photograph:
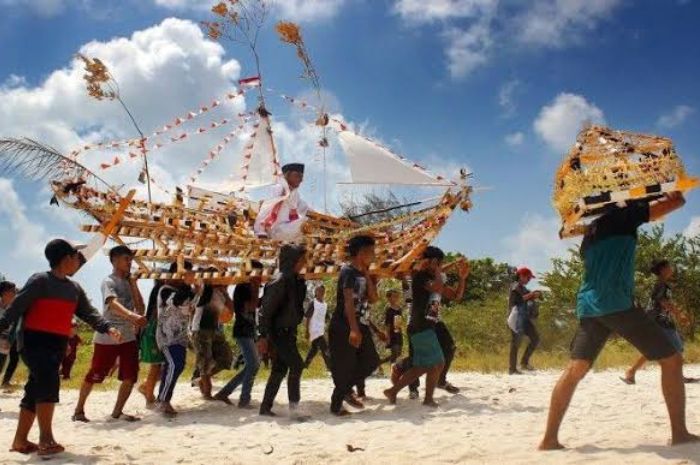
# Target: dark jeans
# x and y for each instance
(286, 361)
(448, 346)
(349, 365)
(13, 357)
(531, 332)
(245, 377)
(319, 345)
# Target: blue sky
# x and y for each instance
(498, 86)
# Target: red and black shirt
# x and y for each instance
(46, 306)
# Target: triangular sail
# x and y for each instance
(259, 160)
(373, 164)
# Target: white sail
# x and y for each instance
(373, 164)
(258, 164)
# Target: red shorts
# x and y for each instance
(105, 356)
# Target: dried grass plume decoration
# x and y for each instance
(97, 77)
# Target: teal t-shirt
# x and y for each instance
(608, 252)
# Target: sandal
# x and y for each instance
(27, 449)
(628, 381)
(50, 449)
(80, 416)
(126, 417)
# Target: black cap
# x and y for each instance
(7, 286)
(118, 251)
(57, 249)
(298, 167)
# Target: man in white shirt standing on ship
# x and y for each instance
(283, 216)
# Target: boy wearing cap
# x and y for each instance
(283, 216)
(520, 301)
(605, 304)
(123, 308)
(45, 307)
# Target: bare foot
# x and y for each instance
(25, 448)
(547, 444)
(167, 410)
(430, 403)
(391, 395)
(684, 439)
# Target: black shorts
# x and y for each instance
(43, 383)
(632, 325)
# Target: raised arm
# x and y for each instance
(451, 293)
(671, 202)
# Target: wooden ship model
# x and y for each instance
(214, 230)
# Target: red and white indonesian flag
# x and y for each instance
(250, 82)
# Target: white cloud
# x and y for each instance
(421, 11)
(44, 8)
(471, 27)
(506, 97)
(28, 236)
(467, 45)
(559, 122)
(13, 81)
(675, 117)
(295, 10)
(467, 49)
(557, 23)
(515, 139)
(693, 228)
(536, 242)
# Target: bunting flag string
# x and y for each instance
(175, 139)
(216, 151)
(174, 124)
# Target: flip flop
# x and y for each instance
(30, 448)
(627, 381)
(80, 417)
(126, 417)
(51, 449)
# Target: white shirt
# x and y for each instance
(317, 323)
(285, 201)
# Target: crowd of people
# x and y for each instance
(37, 322)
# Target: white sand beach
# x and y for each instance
(496, 419)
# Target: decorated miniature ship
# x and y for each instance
(606, 167)
(214, 230)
